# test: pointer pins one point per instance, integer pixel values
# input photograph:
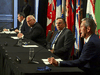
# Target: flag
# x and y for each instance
(79, 7)
(63, 8)
(90, 11)
(58, 10)
(97, 15)
(51, 12)
(70, 16)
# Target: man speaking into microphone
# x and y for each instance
(89, 60)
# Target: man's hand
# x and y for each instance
(19, 35)
(52, 51)
(5, 29)
(53, 61)
(16, 30)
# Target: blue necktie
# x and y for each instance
(54, 39)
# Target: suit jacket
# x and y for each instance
(24, 29)
(36, 34)
(90, 56)
(63, 45)
(26, 9)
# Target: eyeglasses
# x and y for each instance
(59, 23)
(29, 20)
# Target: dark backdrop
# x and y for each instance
(42, 12)
(42, 15)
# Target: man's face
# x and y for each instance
(60, 24)
(30, 22)
(19, 18)
(83, 29)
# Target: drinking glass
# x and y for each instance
(31, 54)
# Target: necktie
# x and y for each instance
(54, 39)
(84, 44)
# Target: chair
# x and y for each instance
(50, 33)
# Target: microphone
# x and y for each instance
(18, 59)
(32, 61)
(5, 44)
(18, 43)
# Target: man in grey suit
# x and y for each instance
(62, 41)
(89, 60)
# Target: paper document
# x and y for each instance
(1, 32)
(9, 32)
(47, 63)
(29, 46)
(14, 37)
(12, 32)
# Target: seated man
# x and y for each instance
(23, 27)
(89, 60)
(62, 40)
(36, 32)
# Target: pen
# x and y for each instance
(35, 62)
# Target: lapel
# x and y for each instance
(24, 21)
(31, 29)
(85, 45)
(92, 37)
(62, 33)
(23, 25)
(54, 35)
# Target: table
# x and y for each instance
(8, 65)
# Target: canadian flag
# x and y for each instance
(51, 12)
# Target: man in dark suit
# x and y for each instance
(36, 32)
(26, 9)
(22, 26)
(62, 44)
(89, 60)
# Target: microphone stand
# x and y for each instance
(32, 61)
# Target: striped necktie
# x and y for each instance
(54, 39)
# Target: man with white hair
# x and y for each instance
(36, 32)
